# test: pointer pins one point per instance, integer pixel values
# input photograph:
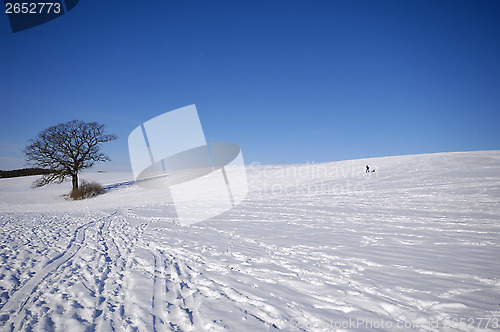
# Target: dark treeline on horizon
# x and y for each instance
(23, 172)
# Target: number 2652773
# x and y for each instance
(32, 8)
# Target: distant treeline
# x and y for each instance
(23, 172)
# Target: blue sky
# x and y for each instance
(289, 81)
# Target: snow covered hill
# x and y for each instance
(414, 245)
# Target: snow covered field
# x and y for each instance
(315, 247)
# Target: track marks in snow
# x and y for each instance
(420, 244)
(208, 288)
(106, 279)
(82, 286)
(24, 295)
(27, 242)
(178, 302)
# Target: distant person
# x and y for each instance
(367, 169)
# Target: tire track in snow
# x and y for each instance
(23, 296)
(139, 277)
(120, 265)
(110, 271)
(174, 307)
(207, 287)
(157, 299)
(100, 293)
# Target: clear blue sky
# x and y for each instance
(289, 81)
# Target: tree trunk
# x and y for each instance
(75, 181)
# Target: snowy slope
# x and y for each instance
(317, 247)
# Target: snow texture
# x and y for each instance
(317, 247)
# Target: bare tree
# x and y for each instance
(66, 149)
